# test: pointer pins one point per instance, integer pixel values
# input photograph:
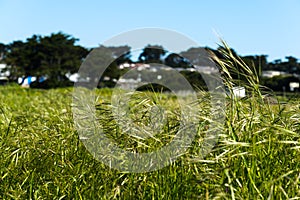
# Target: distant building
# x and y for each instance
(294, 86)
(73, 77)
(133, 65)
(206, 69)
(272, 73)
(3, 72)
(129, 84)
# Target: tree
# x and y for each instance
(51, 56)
(177, 61)
(152, 54)
(120, 54)
(60, 56)
(291, 60)
(292, 65)
(101, 65)
(197, 56)
(279, 83)
(115, 56)
(24, 58)
(258, 61)
(3, 51)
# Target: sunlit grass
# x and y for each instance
(257, 154)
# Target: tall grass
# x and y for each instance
(256, 156)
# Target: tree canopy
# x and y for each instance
(177, 61)
(51, 57)
(3, 51)
(152, 54)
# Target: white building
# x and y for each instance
(206, 69)
(294, 86)
(3, 73)
(271, 73)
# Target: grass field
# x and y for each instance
(257, 156)
(41, 157)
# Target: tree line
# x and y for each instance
(55, 56)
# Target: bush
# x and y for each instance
(277, 83)
(52, 83)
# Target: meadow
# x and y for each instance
(41, 156)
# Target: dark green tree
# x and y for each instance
(60, 56)
(289, 66)
(279, 83)
(24, 58)
(3, 51)
(259, 62)
(51, 56)
(152, 54)
(199, 56)
(292, 65)
(177, 61)
(102, 65)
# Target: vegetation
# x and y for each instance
(50, 57)
(279, 83)
(53, 57)
(256, 156)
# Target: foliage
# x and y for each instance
(103, 62)
(195, 79)
(3, 51)
(51, 57)
(279, 83)
(259, 62)
(290, 66)
(152, 54)
(176, 61)
(56, 55)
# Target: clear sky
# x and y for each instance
(252, 27)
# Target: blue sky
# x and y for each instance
(269, 27)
